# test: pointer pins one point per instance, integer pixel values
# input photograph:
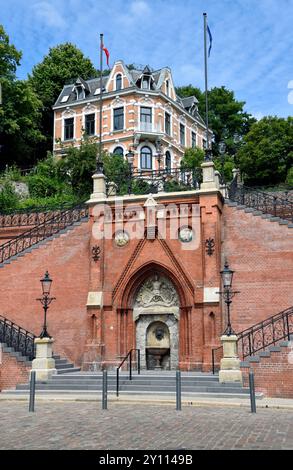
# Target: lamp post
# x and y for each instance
(130, 160)
(208, 155)
(45, 300)
(228, 294)
(159, 154)
(222, 150)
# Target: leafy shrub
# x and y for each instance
(8, 197)
(289, 178)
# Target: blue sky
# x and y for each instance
(252, 40)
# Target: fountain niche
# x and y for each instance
(158, 346)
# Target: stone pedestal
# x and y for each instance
(99, 186)
(44, 364)
(230, 364)
(209, 179)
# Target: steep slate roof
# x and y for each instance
(90, 86)
(135, 74)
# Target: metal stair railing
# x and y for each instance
(42, 231)
(260, 336)
(266, 202)
(32, 217)
(17, 338)
(130, 367)
(265, 333)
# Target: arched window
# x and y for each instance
(119, 151)
(118, 82)
(168, 162)
(146, 158)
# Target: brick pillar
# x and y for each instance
(94, 350)
(211, 203)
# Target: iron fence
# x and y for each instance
(154, 181)
(266, 202)
(16, 337)
(43, 230)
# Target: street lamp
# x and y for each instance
(228, 294)
(159, 154)
(130, 160)
(45, 300)
(222, 150)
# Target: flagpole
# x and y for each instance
(206, 86)
(99, 162)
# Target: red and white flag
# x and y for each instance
(107, 53)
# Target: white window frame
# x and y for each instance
(171, 122)
(115, 77)
(112, 117)
(68, 116)
(153, 149)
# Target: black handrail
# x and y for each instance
(214, 353)
(33, 216)
(17, 338)
(128, 356)
(42, 231)
(265, 333)
(261, 335)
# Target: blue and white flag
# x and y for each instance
(211, 39)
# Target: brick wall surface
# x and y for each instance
(261, 254)
(273, 375)
(67, 260)
(12, 372)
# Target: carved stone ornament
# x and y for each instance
(157, 291)
(185, 234)
(121, 238)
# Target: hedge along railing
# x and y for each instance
(32, 217)
(42, 231)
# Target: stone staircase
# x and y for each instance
(42, 233)
(258, 213)
(150, 383)
(62, 365)
(266, 353)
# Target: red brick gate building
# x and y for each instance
(144, 272)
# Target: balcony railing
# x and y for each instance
(149, 128)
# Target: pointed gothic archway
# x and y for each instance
(153, 293)
(156, 316)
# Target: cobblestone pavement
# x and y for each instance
(85, 426)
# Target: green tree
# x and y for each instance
(62, 64)
(227, 117)
(267, 154)
(20, 109)
(77, 167)
(9, 56)
(193, 157)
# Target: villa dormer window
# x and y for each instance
(145, 83)
(79, 93)
(81, 89)
(119, 82)
(167, 88)
(146, 80)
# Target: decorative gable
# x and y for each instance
(118, 72)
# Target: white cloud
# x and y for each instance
(51, 17)
(139, 8)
